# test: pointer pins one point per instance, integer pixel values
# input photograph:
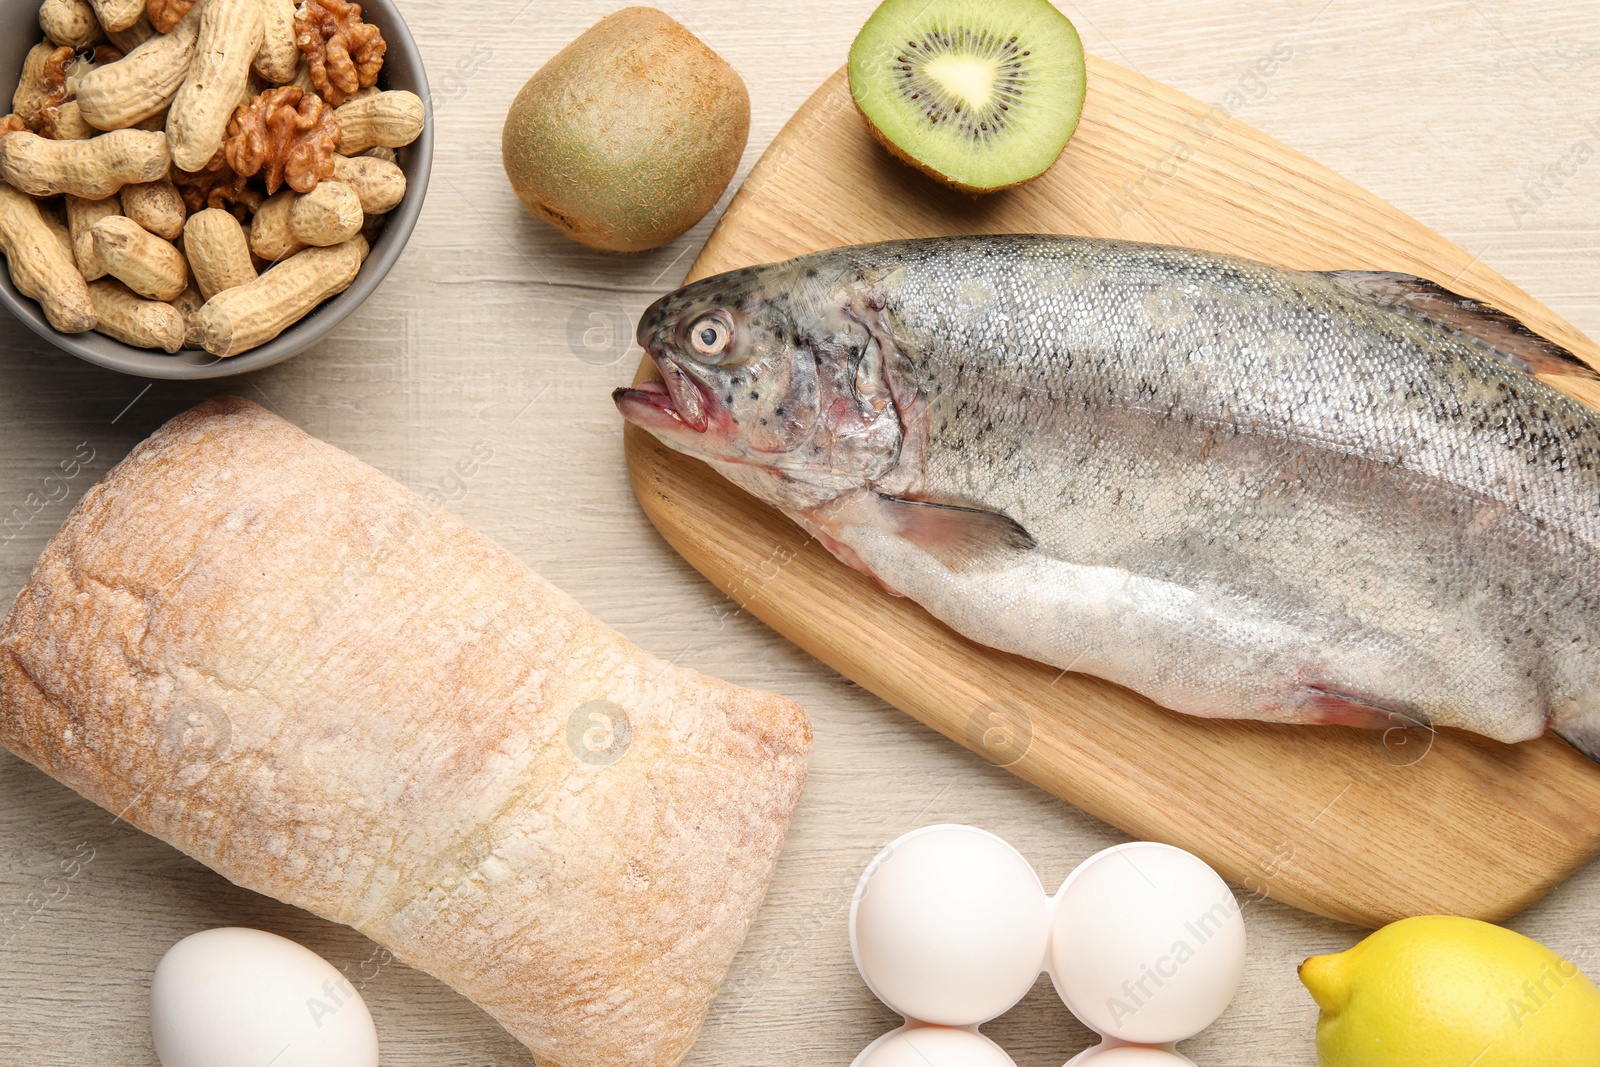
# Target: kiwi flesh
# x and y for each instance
(629, 135)
(980, 94)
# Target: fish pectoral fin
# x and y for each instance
(1329, 707)
(1502, 335)
(958, 537)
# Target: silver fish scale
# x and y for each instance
(1271, 439)
(1254, 492)
(1177, 333)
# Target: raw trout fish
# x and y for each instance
(1242, 491)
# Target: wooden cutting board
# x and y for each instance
(1363, 827)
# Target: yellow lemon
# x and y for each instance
(1447, 992)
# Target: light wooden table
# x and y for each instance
(1477, 116)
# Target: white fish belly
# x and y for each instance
(1193, 652)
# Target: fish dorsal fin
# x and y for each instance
(961, 538)
(1491, 328)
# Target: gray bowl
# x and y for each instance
(402, 69)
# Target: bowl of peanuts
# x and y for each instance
(200, 188)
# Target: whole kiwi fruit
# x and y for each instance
(629, 135)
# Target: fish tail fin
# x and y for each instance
(1583, 736)
(1502, 335)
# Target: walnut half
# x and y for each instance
(165, 14)
(56, 71)
(286, 134)
(343, 54)
(217, 185)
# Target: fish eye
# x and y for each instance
(710, 335)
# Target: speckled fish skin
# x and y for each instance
(1239, 490)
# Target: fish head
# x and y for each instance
(762, 376)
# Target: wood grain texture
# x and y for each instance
(1446, 108)
(1147, 163)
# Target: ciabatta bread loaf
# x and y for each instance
(272, 656)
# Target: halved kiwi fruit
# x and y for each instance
(981, 94)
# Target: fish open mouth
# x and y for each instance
(675, 400)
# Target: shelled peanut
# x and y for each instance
(132, 37)
(219, 252)
(118, 15)
(70, 23)
(92, 169)
(380, 184)
(141, 84)
(123, 315)
(246, 316)
(40, 267)
(65, 122)
(219, 72)
(157, 206)
(139, 259)
(58, 227)
(279, 57)
(392, 120)
(328, 215)
(81, 216)
(158, 149)
(271, 237)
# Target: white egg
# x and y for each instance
(933, 1046)
(949, 925)
(1147, 944)
(1129, 1056)
(232, 996)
